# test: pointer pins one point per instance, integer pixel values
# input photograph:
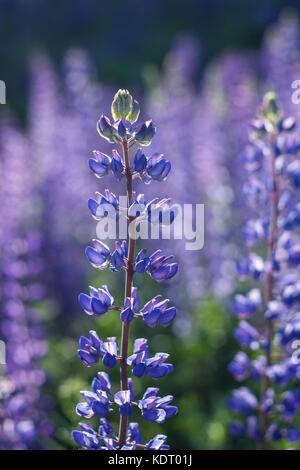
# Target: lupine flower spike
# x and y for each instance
(124, 130)
(272, 340)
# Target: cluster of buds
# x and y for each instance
(125, 112)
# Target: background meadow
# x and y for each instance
(199, 70)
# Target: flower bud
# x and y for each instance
(100, 165)
(117, 165)
(158, 167)
(145, 133)
(121, 106)
(140, 161)
(122, 129)
(270, 111)
(105, 129)
(287, 124)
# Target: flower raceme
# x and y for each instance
(272, 163)
(125, 130)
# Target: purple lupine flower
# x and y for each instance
(272, 305)
(289, 404)
(155, 408)
(253, 428)
(103, 204)
(246, 306)
(105, 129)
(133, 433)
(158, 168)
(258, 368)
(101, 382)
(117, 165)
(145, 133)
(243, 401)
(98, 256)
(140, 161)
(100, 165)
(131, 306)
(156, 312)
(240, 366)
(157, 443)
(95, 404)
(92, 350)
(119, 256)
(273, 432)
(24, 422)
(157, 265)
(247, 335)
(142, 364)
(292, 433)
(89, 351)
(279, 373)
(123, 399)
(100, 401)
(98, 302)
(110, 351)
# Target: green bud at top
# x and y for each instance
(270, 109)
(121, 107)
(270, 103)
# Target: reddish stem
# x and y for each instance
(128, 287)
(269, 287)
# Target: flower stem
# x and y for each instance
(269, 286)
(128, 286)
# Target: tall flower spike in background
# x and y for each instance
(124, 130)
(273, 401)
(24, 407)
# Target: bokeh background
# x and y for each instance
(199, 69)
